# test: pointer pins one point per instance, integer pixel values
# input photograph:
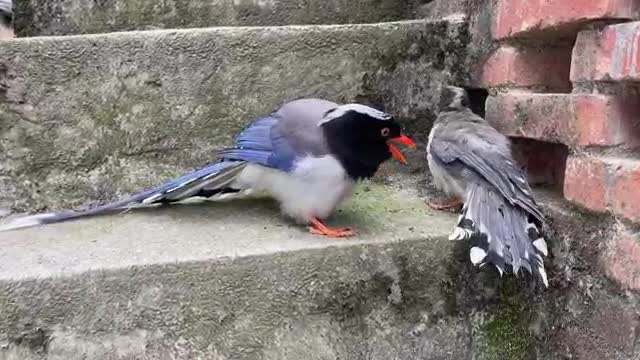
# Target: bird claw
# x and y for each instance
(333, 233)
(446, 206)
(318, 228)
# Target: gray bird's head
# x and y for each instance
(453, 98)
(362, 138)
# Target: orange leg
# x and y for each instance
(319, 228)
(448, 205)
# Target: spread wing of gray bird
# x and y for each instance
(471, 160)
(307, 154)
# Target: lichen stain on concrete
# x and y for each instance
(521, 116)
(313, 338)
(64, 345)
(501, 329)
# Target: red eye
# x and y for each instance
(385, 132)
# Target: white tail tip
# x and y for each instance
(541, 245)
(460, 234)
(25, 222)
(543, 275)
(477, 255)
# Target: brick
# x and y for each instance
(612, 54)
(625, 196)
(525, 18)
(607, 120)
(535, 116)
(604, 184)
(574, 120)
(529, 68)
(622, 260)
(585, 182)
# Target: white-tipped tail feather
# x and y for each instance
(28, 221)
(460, 233)
(209, 181)
(501, 234)
(541, 245)
(477, 255)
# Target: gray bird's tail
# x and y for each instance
(501, 234)
(212, 180)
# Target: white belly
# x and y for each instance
(313, 189)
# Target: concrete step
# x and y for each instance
(88, 118)
(203, 230)
(66, 17)
(233, 280)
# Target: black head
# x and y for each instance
(359, 137)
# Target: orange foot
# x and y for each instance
(318, 228)
(449, 205)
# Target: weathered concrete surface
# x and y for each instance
(66, 17)
(357, 302)
(88, 118)
(438, 9)
(209, 230)
(585, 315)
(232, 281)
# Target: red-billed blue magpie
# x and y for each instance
(307, 154)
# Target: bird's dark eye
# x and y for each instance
(385, 132)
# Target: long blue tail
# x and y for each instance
(208, 181)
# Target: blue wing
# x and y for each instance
(259, 143)
(263, 144)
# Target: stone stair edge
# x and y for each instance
(241, 29)
(210, 230)
(50, 17)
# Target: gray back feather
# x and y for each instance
(461, 136)
(298, 123)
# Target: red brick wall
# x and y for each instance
(567, 73)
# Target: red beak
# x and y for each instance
(404, 140)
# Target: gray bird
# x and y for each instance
(472, 163)
(307, 154)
